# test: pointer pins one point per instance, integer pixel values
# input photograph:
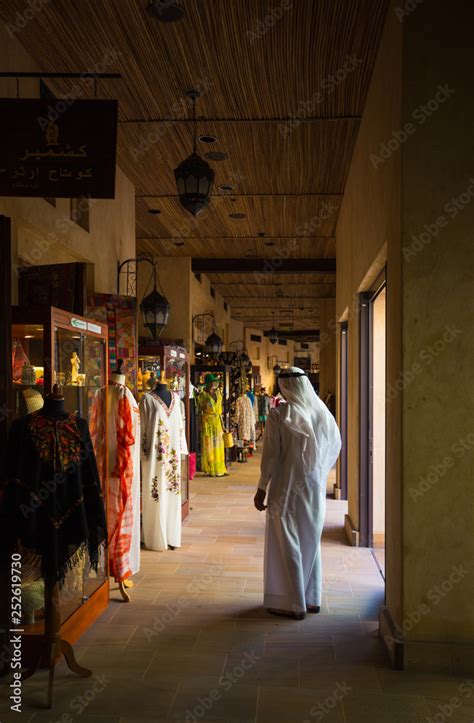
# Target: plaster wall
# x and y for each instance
(438, 308)
(368, 237)
(327, 348)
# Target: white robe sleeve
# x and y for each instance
(146, 425)
(271, 448)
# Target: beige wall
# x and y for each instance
(368, 236)
(438, 309)
(42, 234)
(327, 348)
(201, 300)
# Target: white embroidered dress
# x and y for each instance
(163, 444)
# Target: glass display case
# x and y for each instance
(57, 347)
(173, 362)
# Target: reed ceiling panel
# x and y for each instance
(240, 248)
(312, 58)
(288, 216)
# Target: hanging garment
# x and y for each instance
(212, 441)
(245, 418)
(52, 508)
(301, 444)
(163, 444)
(123, 436)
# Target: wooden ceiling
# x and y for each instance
(283, 88)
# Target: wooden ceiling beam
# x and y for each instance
(230, 194)
(297, 334)
(237, 238)
(201, 119)
(263, 266)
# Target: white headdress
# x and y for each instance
(305, 414)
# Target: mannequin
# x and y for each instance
(162, 446)
(212, 428)
(162, 390)
(123, 435)
(54, 405)
(51, 449)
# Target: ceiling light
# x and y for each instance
(237, 215)
(178, 243)
(154, 211)
(29, 336)
(216, 156)
(194, 177)
(166, 11)
(269, 243)
(226, 187)
(208, 139)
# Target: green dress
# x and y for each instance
(212, 441)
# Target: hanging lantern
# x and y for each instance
(194, 177)
(277, 369)
(155, 309)
(213, 343)
(273, 336)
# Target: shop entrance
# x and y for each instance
(373, 419)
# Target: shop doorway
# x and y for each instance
(373, 419)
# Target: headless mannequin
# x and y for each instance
(54, 405)
(51, 643)
(162, 390)
(118, 377)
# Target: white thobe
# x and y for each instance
(296, 504)
(163, 444)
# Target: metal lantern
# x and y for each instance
(277, 369)
(214, 343)
(273, 336)
(155, 309)
(194, 176)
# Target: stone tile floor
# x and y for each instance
(195, 644)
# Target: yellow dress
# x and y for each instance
(212, 441)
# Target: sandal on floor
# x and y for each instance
(286, 614)
(313, 609)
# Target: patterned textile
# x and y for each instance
(119, 313)
(57, 442)
(212, 445)
(123, 434)
(245, 418)
(52, 507)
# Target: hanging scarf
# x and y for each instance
(52, 508)
(120, 495)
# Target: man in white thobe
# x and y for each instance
(301, 444)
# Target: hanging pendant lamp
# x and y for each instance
(194, 177)
(273, 334)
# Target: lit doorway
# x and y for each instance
(373, 419)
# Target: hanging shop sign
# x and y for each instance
(60, 152)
